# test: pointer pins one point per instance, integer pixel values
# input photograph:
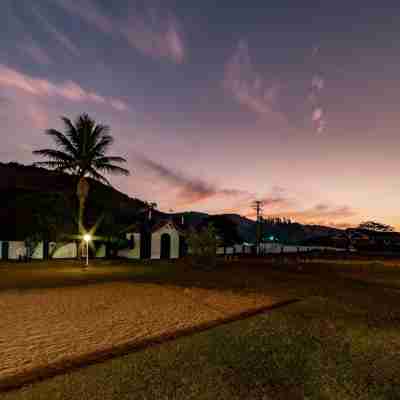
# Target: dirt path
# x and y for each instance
(44, 327)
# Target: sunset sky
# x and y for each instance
(216, 106)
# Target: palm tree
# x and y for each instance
(81, 150)
(150, 207)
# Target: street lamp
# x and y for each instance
(87, 238)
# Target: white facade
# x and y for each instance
(229, 250)
(276, 248)
(220, 250)
(131, 253)
(101, 251)
(235, 249)
(62, 250)
(38, 253)
(170, 230)
(16, 250)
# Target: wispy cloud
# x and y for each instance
(270, 97)
(68, 90)
(89, 12)
(318, 118)
(38, 115)
(155, 34)
(322, 214)
(279, 202)
(152, 31)
(37, 53)
(274, 202)
(248, 86)
(59, 36)
(189, 190)
(4, 101)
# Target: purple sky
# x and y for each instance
(215, 107)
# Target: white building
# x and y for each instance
(165, 240)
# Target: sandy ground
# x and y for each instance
(40, 327)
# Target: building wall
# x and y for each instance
(16, 249)
(101, 251)
(273, 248)
(238, 248)
(156, 241)
(246, 249)
(63, 250)
(229, 250)
(131, 253)
(38, 252)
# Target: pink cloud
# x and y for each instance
(38, 115)
(250, 88)
(156, 35)
(43, 88)
(153, 32)
(321, 214)
(317, 114)
(318, 118)
(118, 104)
(317, 82)
(189, 190)
(36, 53)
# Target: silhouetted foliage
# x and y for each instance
(225, 228)
(375, 226)
(203, 244)
(82, 149)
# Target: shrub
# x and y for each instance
(203, 246)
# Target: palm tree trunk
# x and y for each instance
(82, 191)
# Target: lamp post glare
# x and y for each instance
(87, 238)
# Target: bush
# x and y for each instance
(31, 242)
(203, 246)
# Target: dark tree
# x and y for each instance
(225, 228)
(375, 227)
(81, 150)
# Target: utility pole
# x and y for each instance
(257, 205)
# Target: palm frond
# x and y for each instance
(102, 145)
(111, 169)
(100, 131)
(95, 175)
(53, 165)
(62, 141)
(71, 132)
(81, 149)
(110, 159)
(57, 155)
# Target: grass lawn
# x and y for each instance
(342, 341)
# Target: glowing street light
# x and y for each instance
(87, 238)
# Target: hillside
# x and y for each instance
(32, 197)
(287, 232)
(29, 194)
